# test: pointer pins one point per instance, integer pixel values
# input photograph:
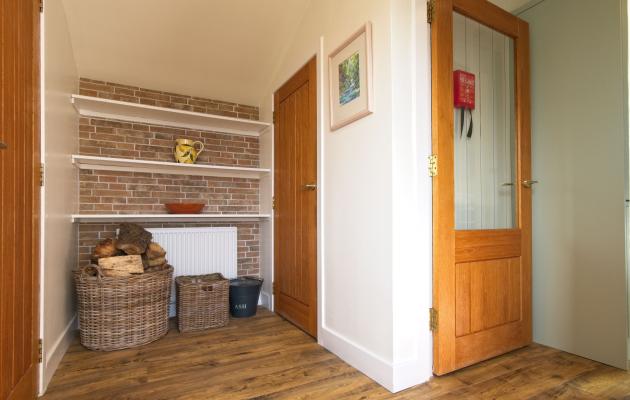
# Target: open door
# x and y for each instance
(482, 190)
(19, 198)
(295, 198)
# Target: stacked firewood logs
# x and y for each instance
(132, 252)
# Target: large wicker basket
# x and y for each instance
(202, 302)
(122, 312)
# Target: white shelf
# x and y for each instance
(121, 110)
(160, 167)
(168, 217)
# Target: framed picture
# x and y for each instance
(350, 78)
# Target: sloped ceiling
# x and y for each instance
(221, 49)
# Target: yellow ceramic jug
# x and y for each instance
(186, 152)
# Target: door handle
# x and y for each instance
(310, 186)
(3, 145)
(529, 184)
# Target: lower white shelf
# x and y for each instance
(168, 217)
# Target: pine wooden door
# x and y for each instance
(295, 181)
(19, 197)
(482, 255)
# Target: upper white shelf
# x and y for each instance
(121, 110)
(160, 167)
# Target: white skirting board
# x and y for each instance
(53, 357)
(265, 300)
(359, 357)
(393, 376)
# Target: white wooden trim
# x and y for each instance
(161, 167)
(54, 354)
(89, 106)
(167, 217)
(361, 358)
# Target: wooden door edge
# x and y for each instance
(442, 197)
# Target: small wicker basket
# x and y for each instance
(202, 302)
(121, 312)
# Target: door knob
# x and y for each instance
(3, 145)
(310, 186)
(529, 184)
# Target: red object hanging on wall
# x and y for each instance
(464, 89)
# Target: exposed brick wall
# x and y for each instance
(134, 94)
(109, 138)
(248, 237)
(111, 192)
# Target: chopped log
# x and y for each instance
(156, 261)
(133, 239)
(106, 248)
(112, 273)
(129, 264)
(154, 251)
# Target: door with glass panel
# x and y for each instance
(482, 190)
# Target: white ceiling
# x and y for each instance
(221, 49)
(510, 5)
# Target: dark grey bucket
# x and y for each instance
(244, 293)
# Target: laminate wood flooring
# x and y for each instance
(265, 357)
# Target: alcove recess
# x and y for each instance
(127, 171)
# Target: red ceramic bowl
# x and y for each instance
(184, 208)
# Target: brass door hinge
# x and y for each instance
(41, 174)
(41, 6)
(274, 117)
(430, 11)
(273, 203)
(433, 319)
(273, 288)
(40, 351)
(433, 165)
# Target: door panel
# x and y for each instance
(488, 294)
(482, 212)
(295, 274)
(19, 197)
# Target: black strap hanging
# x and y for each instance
(470, 126)
(461, 123)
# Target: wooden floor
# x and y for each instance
(267, 358)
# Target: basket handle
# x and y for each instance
(206, 288)
(88, 270)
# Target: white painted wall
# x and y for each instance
(484, 162)
(60, 191)
(412, 229)
(266, 226)
(579, 136)
(374, 193)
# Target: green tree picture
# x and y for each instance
(349, 79)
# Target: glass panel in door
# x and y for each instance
(484, 133)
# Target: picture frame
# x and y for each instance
(350, 79)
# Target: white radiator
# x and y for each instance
(198, 251)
